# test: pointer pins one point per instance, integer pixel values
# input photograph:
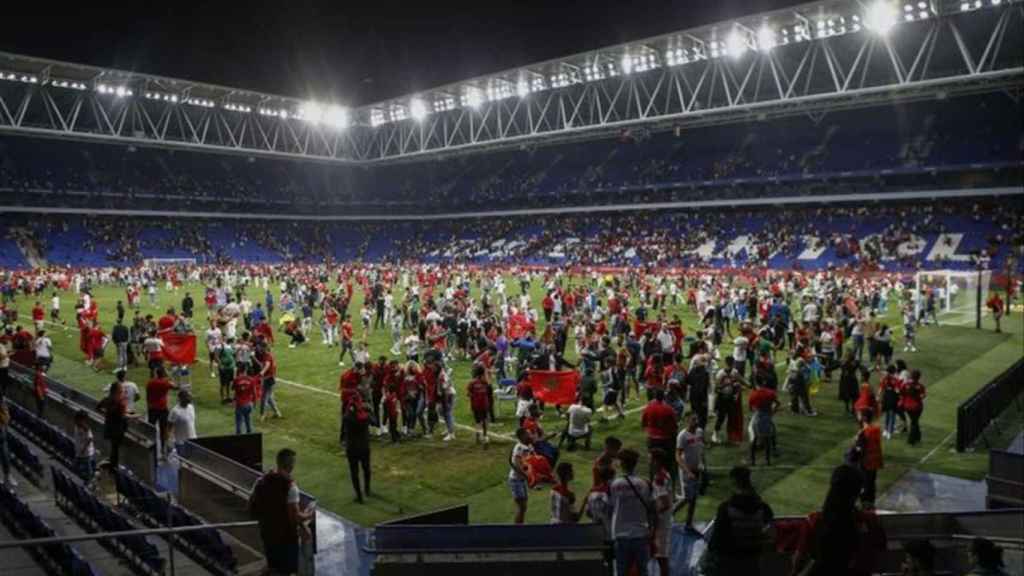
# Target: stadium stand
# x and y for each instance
(893, 237)
(23, 523)
(904, 147)
(93, 515)
(206, 547)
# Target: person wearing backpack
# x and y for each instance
(632, 505)
(742, 529)
(274, 503)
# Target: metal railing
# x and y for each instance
(168, 534)
(975, 414)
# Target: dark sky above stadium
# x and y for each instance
(350, 52)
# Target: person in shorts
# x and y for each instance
(690, 458)
(517, 476)
(480, 402)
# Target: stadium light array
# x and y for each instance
(162, 96)
(472, 97)
(23, 78)
(735, 44)
(880, 17)
(522, 88)
(444, 103)
(68, 84)
(278, 112)
(200, 102)
(417, 109)
(377, 117)
(238, 108)
(766, 39)
(119, 91)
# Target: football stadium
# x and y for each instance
(741, 298)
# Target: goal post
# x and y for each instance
(959, 296)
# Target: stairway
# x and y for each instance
(29, 247)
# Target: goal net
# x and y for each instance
(953, 295)
(165, 262)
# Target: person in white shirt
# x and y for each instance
(129, 389)
(183, 418)
(690, 458)
(578, 427)
(810, 313)
(43, 348)
(740, 346)
(214, 340)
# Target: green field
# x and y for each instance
(423, 474)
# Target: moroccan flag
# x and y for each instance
(179, 348)
(557, 388)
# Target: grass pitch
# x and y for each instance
(424, 474)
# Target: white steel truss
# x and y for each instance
(812, 59)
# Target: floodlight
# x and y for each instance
(522, 88)
(922, 5)
(627, 64)
(473, 98)
(880, 17)
(735, 45)
(121, 92)
(977, 3)
(336, 116)
(923, 14)
(417, 109)
(312, 112)
(997, 2)
(765, 39)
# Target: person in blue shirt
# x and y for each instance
(256, 316)
(269, 299)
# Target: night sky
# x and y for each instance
(348, 52)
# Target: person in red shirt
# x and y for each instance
(995, 304)
(245, 394)
(548, 305)
(41, 389)
(763, 403)
(38, 316)
(659, 423)
(268, 375)
(265, 331)
(345, 342)
(912, 401)
(157, 390)
(655, 376)
(889, 390)
(480, 402)
(167, 321)
(97, 341)
(867, 450)
(390, 405)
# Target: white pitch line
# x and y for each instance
(936, 449)
(306, 387)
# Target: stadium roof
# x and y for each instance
(836, 53)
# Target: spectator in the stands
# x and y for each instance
(85, 449)
(987, 558)
(274, 503)
(115, 421)
(183, 418)
(743, 528)
(840, 539)
(919, 559)
(5, 457)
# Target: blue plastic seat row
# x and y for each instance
(25, 458)
(55, 441)
(206, 547)
(23, 524)
(96, 516)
